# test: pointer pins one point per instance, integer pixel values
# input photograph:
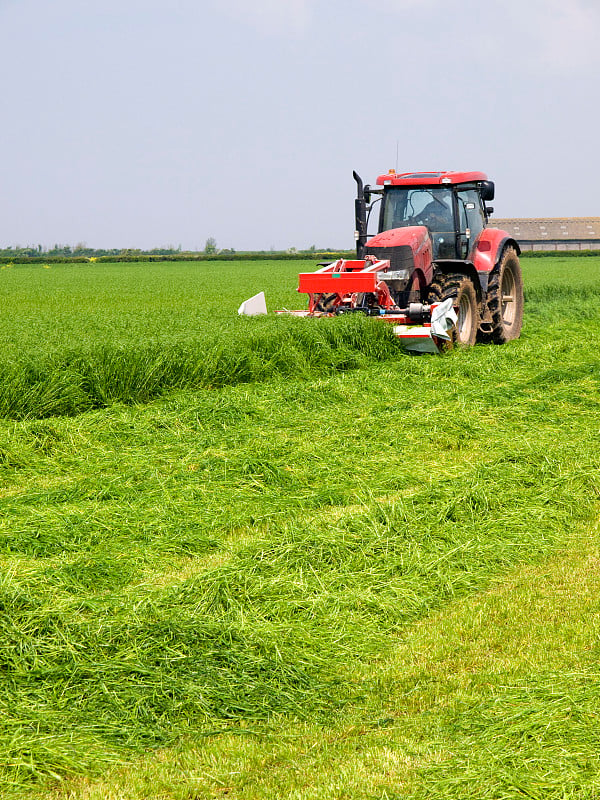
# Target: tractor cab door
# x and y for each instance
(471, 221)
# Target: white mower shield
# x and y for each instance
(254, 306)
(443, 318)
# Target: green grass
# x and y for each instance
(86, 337)
(86, 305)
(297, 585)
(494, 696)
(83, 378)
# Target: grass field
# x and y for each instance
(80, 338)
(279, 558)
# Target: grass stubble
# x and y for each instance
(342, 583)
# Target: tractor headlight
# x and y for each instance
(393, 275)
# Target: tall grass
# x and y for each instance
(80, 379)
(82, 338)
(85, 337)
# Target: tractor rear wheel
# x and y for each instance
(505, 298)
(462, 291)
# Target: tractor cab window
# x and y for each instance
(471, 219)
(431, 206)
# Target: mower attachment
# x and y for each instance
(363, 286)
(429, 338)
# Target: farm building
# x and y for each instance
(559, 233)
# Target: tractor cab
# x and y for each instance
(451, 205)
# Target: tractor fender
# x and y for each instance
(489, 248)
(454, 266)
(419, 278)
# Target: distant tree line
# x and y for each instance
(81, 253)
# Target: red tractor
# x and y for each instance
(435, 269)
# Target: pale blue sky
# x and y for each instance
(144, 123)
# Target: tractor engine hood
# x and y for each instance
(415, 237)
(407, 249)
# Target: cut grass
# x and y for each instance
(494, 696)
(246, 556)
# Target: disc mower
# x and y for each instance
(434, 270)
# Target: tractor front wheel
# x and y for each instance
(460, 288)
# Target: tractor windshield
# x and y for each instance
(431, 206)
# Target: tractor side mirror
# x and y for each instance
(367, 194)
(488, 190)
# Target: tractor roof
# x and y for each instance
(428, 178)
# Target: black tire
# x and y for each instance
(461, 289)
(416, 289)
(505, 298)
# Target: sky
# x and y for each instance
(147, 123)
